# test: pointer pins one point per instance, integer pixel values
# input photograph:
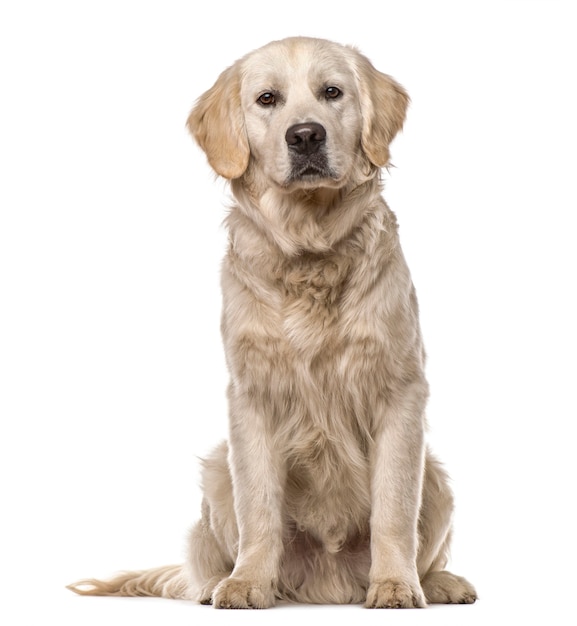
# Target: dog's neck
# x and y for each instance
(306, 220)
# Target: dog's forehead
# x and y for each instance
(297, 61)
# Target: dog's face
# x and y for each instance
(303, 111)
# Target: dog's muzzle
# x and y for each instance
(306, 144)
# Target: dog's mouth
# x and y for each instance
(311, 169)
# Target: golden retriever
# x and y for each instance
(326, 492)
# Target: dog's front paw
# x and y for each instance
(237, 593)
(394, 594)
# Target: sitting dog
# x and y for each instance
(325, 492)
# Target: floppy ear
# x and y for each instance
(217, 124)
(383, 106)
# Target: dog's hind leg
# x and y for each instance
(208, 563)
(439, 586)
(213, 541)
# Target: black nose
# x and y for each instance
(305, 138)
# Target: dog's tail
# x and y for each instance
(161, 582)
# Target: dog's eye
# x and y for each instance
(266, 99)
(332, 92)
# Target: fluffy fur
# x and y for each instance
(326, 492)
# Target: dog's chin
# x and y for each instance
(312, 177)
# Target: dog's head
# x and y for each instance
(303, 111)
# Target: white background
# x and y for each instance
(112, 377)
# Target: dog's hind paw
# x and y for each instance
(446, 588)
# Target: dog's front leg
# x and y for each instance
(257, 489)
(397, 466)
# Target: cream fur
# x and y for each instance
(325, 492)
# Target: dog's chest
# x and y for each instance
(311, 290)
(315, 281)
(306, 355)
